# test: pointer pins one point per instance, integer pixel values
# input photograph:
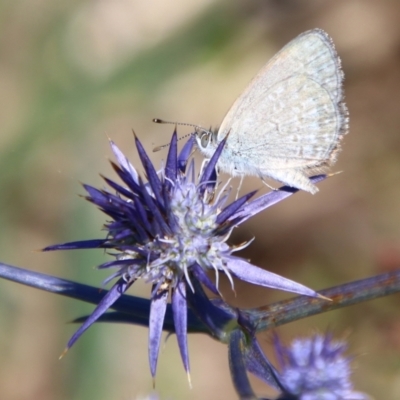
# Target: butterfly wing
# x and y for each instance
(292, 113)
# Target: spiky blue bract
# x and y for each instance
(170, 229)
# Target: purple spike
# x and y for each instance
(213, 177)
(185, 153)
(123, 161)
(259, 365)
(209, 170)
(236, 352)
(125, 192)
(151, 173)
(135, 226)
(81, 244)
(179, 312)
(216, 318)
(113, 263)
(121, 235)
(106, 302)
(156, 321)
(233, 207)
(131, 247)
(142, 217)
(161, 226)
(97, 196)
(171, 164)
(126, 178)
(116, 202)
(258, 276)
(268, 200)
(204, 279)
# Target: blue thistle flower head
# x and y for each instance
(316, 368)
(170, 229)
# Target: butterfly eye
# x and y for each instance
(205, 139)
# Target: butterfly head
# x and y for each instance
(206, 140)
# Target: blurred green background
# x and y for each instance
(74, 73)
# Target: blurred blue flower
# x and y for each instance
(315, 368)
(169, 230)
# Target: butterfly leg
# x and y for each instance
(266, 184)
(239, 187)
(203, 165)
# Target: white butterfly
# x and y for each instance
(288, 122)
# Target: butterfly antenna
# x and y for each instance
(161, 121)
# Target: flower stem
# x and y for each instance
(344, 295)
